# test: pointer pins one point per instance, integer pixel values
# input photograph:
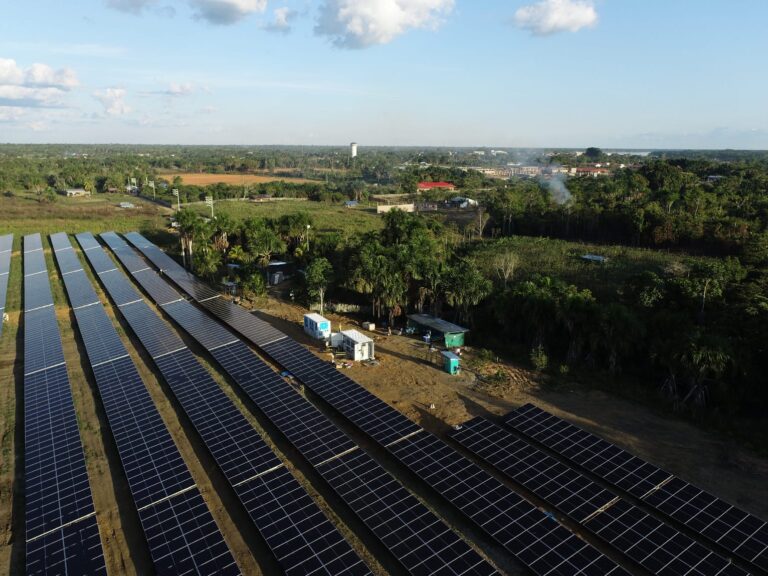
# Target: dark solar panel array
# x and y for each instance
(6, 244)
(740, 533)
(61, 530)
(538, 541)
(303, 540)
(659, 548)
(416, 537)
(182, 535)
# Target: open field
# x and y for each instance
(327, 217)
(23, 214)
(204, 179)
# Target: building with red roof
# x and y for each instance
(436, 186)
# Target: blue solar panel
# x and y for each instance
(56, 482)
(61, 531)
(372, 415)
(537, 540)
(6, 243)
(184, 538)
(74, 549)
(296, 530)
(301, 537)
(180, 530)
(718, 522)
(657, 547)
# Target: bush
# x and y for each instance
(254, 286)
(539, 358)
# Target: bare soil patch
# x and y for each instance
(204, 179)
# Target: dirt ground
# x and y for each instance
(204, 179)
(409, 380)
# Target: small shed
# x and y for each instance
(357, 345)
(451, 362)
(317, 326)
(452, 334)
(76, 192)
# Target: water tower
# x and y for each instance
(353, 150)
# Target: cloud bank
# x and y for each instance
(552, 16)
(113, 101)
(358, 24)
(36, 86)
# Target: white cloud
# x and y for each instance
(44, 75)
(39, 85)
(113, 100)
(179, 89)
(11, 113)
(226, 11)
(551, 16)
(359, 24)
(281, 20)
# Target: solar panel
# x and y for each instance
(58, 506)
(422, 543)
(6, 243)
(73, 549)
(182, 537)
(301, 537)
(540, 543)
(416, 537)
(552, 481)
(657, 547)
(735, 530)
(366, 411)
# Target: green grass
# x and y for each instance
(23, 214)
(562, 259)
(327, 217)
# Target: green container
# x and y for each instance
(450, 362)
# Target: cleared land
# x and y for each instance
(204, 179)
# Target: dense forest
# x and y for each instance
(692, 332)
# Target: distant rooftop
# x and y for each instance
(432, 185)
(437, 324)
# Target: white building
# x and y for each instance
(76, 192)
(357, 345)
(317, 326)
(353, 149)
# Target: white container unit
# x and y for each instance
(317, 326)
(357, 345)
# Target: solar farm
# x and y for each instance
(527, 493)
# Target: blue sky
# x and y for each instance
(529, 73)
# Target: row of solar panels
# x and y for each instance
(6, 243)
(655, 546)
(61, 531)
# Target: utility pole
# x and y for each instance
(209, 202)
(178, 199)
(308, 227)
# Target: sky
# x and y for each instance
(499, 73)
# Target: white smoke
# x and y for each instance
(558, 191)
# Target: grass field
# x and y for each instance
(204, 179)
(23, 214)
(562, 259)
(327, 217)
